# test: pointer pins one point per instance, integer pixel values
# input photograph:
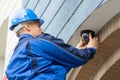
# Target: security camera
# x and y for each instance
(85, 35)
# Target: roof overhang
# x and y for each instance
(102, 15)
(97, 19)
(95, 22)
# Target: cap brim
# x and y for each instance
(41, 21)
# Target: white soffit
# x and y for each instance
(102, 15)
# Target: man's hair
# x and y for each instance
(18, 33)
(19, 28)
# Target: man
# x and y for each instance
(40, 56)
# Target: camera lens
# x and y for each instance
(85, 37)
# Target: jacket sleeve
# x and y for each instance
(73, 58)
(85, 54)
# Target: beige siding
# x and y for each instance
(1, 67)
(107, 54)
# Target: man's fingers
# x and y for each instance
(96, 38)
(90, 36)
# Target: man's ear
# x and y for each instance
(27, 27)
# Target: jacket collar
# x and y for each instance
(24, 36)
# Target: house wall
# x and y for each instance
(1, 67)
(107, 59)
(62, 18)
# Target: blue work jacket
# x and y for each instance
(45, 57)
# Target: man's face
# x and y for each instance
(35, 29)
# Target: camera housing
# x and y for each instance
(85, 35)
